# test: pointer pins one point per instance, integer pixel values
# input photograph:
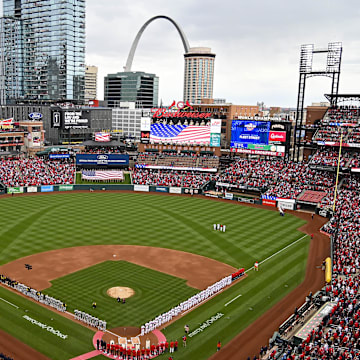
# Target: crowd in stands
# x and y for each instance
(326, 157)
(176, 159)
(36, 171)
(187, 179)
(348, 114)
(103, 150)
(5, 357)
(337, 337)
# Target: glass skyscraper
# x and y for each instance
(133, 86)
(42, 50)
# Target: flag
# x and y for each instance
(102, 137)
(180, 133)
(102, 175)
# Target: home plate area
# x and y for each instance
(125, 343)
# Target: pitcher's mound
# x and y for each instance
(121, 292)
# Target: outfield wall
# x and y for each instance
(265, 200)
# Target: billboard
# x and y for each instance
(102, 159)
(69, 119)
(179, 134)
(259, 137)
(244, 132)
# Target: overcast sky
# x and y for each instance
(256, 42)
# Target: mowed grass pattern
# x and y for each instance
(155, 292)
(46, 222)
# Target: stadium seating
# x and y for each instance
(36, 171)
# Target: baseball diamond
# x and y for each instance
(186, 226)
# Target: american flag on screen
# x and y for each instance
(179, 133)
(102, 175)
(102, 137)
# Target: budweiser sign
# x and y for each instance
(179, 110)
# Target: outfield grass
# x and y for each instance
(79, 180)
(39, 223)
(13, 308)
(45, 222)
(155, 292)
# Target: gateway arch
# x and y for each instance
(199, 65)
(138, 36)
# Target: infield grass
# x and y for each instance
(154, 292)
(39, 223)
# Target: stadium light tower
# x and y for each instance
(332, 70)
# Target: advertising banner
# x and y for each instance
(214, 139)
(175, 190)
(162, 189)
(229, 196)
(102, 159)
(269, 202)
(15, 190)
(66, 187)
(277, 136)
(141, 187)
(215, 126)
(47, 188)
(31, 189)
(59, 156)
(145, 137)
(288, 204)
(145, 124)
(261, 152)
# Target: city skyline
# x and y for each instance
(257, 45)
(263, 37)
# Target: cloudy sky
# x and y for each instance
(257, 44)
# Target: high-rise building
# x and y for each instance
(198, 74)
(90, 83)
(44, 58)
(139, 87)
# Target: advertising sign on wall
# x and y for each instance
(175, 190)
(141, 187)
(31, 189)
(15, 190)
(66, 187)
(214, 139)
(102, 159)
(47, 188)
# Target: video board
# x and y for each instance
(258, 137)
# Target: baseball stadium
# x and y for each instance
(176, 247)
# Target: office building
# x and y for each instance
(126, 120)
(134, 86)
(198, 74)
(44, 58)
(90, 83)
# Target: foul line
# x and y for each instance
(9, 303)
(232, 300)
(278, 252)
(268, 258)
